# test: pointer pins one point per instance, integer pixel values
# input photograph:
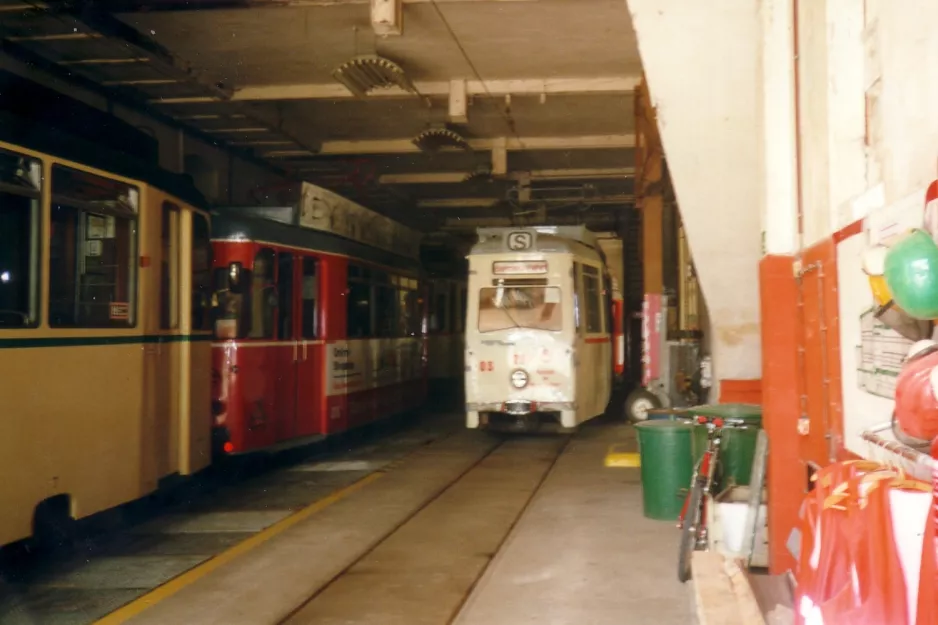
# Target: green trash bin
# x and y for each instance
(664, 450)
(738, 446)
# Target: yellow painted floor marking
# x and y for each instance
(176, 584)
(616, 457)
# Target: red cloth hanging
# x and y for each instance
(928, 580)
(815, 582)
(876, 592)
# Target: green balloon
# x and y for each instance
(911, 273)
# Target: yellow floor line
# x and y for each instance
(176, 584)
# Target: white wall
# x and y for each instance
(174, 145)
(701, 61)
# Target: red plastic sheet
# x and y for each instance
(864, 559)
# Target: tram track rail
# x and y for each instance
(556, 445)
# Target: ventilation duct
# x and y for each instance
(365, 73)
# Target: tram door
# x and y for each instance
(309, 375)
(284, 383)
(163, 354)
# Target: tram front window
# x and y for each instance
(532, 307)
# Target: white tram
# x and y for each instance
(540, 348)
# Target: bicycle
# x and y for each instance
(693, 518)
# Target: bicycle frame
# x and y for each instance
(704, 472)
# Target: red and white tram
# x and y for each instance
(315, 334)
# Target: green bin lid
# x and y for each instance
(669, 411)
(750, 413)
(663, 424)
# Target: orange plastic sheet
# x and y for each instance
(864, 560)
(927, 612)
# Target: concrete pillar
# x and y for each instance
(706, 90)
(777, 65)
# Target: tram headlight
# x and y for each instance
(519, 378)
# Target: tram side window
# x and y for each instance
(359, 303)
(284, 296)
(263, 295)
(93, 249)
(577, 297)
(607, 306)
(310, 296)
(20, 184)
(386, 313)
(440, 311)
(456, 304)
(409, 308)
(201, 273)
(593, 297)
(432, 324)
(169, 267)
(462, 309)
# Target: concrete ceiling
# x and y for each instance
(548, 91)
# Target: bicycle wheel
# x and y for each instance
(689, 532)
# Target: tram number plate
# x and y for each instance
(486, 365)
(520, 241)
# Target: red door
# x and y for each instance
(309, 375)
(287, 351)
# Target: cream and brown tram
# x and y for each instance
(105, 332)
(540, 348)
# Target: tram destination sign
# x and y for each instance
(519, 267)
(321, 209)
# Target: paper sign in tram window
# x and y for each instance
(119, 311)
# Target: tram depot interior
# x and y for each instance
(440, 311)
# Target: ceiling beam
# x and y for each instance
(490, 202)
(460, 202)
(473, 88)
(154, 6)
(456, 225)
(537, 174)
(515, 144)
(387, 17)
(458, 102)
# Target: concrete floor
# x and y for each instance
(469, 528)
(583, 552)
(118, 567)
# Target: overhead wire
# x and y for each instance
(509, 121)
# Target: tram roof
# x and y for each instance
(547, 240)
(240, 223)
(38, 137)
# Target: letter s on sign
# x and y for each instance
(518, 241)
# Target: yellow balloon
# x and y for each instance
(880, 290)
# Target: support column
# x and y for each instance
(705, 92)
(781, 330)
(649, 190)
